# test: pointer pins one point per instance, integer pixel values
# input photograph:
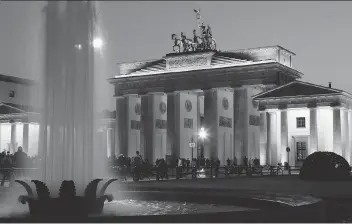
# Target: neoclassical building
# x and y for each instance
(19, 122)
(251, 102)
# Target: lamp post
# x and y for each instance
(191, 144)
(202, 135)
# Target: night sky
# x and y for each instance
(318, 32)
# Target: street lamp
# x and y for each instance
(98, 43)
(202, 134)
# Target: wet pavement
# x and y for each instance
(276, 185)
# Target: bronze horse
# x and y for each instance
(187, 43)
(177, 43)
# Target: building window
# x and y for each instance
(301, 122)
(12, 93)
(301, 150)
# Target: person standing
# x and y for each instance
(7, 166)
(21, 160)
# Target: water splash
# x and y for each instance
(68, 142)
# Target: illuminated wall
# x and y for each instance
(294, 133)
(19, 135)
(33, 139)
(325, 129)
(5, 136)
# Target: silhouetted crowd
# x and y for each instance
(140, 168)
(16, 165)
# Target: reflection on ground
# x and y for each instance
(137, 207)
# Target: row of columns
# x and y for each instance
(329, 130)
(160, 124)
(107, 139)
(13, 142)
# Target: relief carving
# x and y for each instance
(160, 124)
(188, 62)
(188, 123)
(135, 125)
(225, 122)
(188, 105)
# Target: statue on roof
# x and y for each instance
(177, 43)
(186, 43)
(199, 43)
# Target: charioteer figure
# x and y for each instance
(203, 42)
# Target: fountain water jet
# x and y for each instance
(68, 143)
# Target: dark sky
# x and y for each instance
(318, 32)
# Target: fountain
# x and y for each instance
(71, 157)
(68, 144)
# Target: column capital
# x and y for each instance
(272, 110)
(156, 93)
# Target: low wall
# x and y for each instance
(268, 211)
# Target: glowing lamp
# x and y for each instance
(202, 133)
(98, 43)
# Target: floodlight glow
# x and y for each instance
(98, 43)
(202, 133)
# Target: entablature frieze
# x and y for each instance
(207, 78)
(305, 101)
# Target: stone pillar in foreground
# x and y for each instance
(337, 131)
(348, 152)
(313, 131)
(128, 123)
(13, 137)
(182, 116)
(284, 136)
(112, 139)
(263, 138)
(25, 137)
(272, 138)
(218, 115)
(155, 125)
(344, 133)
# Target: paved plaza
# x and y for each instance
(278, 185)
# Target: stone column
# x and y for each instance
(313, 139)
(112, 140)
(284, 135)
(13, 137)
(25, 137)
(183, 117)
(240, 124)
(344, 132)
(272, 137)
(120, 126)
(348, 152)
(200, 105)
(155, 125)
(128, 123)
(263, 139)
(104, 142)
(218, 115)
(337, 130)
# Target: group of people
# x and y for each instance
(19, 160)
(140, 168)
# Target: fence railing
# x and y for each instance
(211, 172)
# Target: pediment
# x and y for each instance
(10, 108)
(297, 88)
